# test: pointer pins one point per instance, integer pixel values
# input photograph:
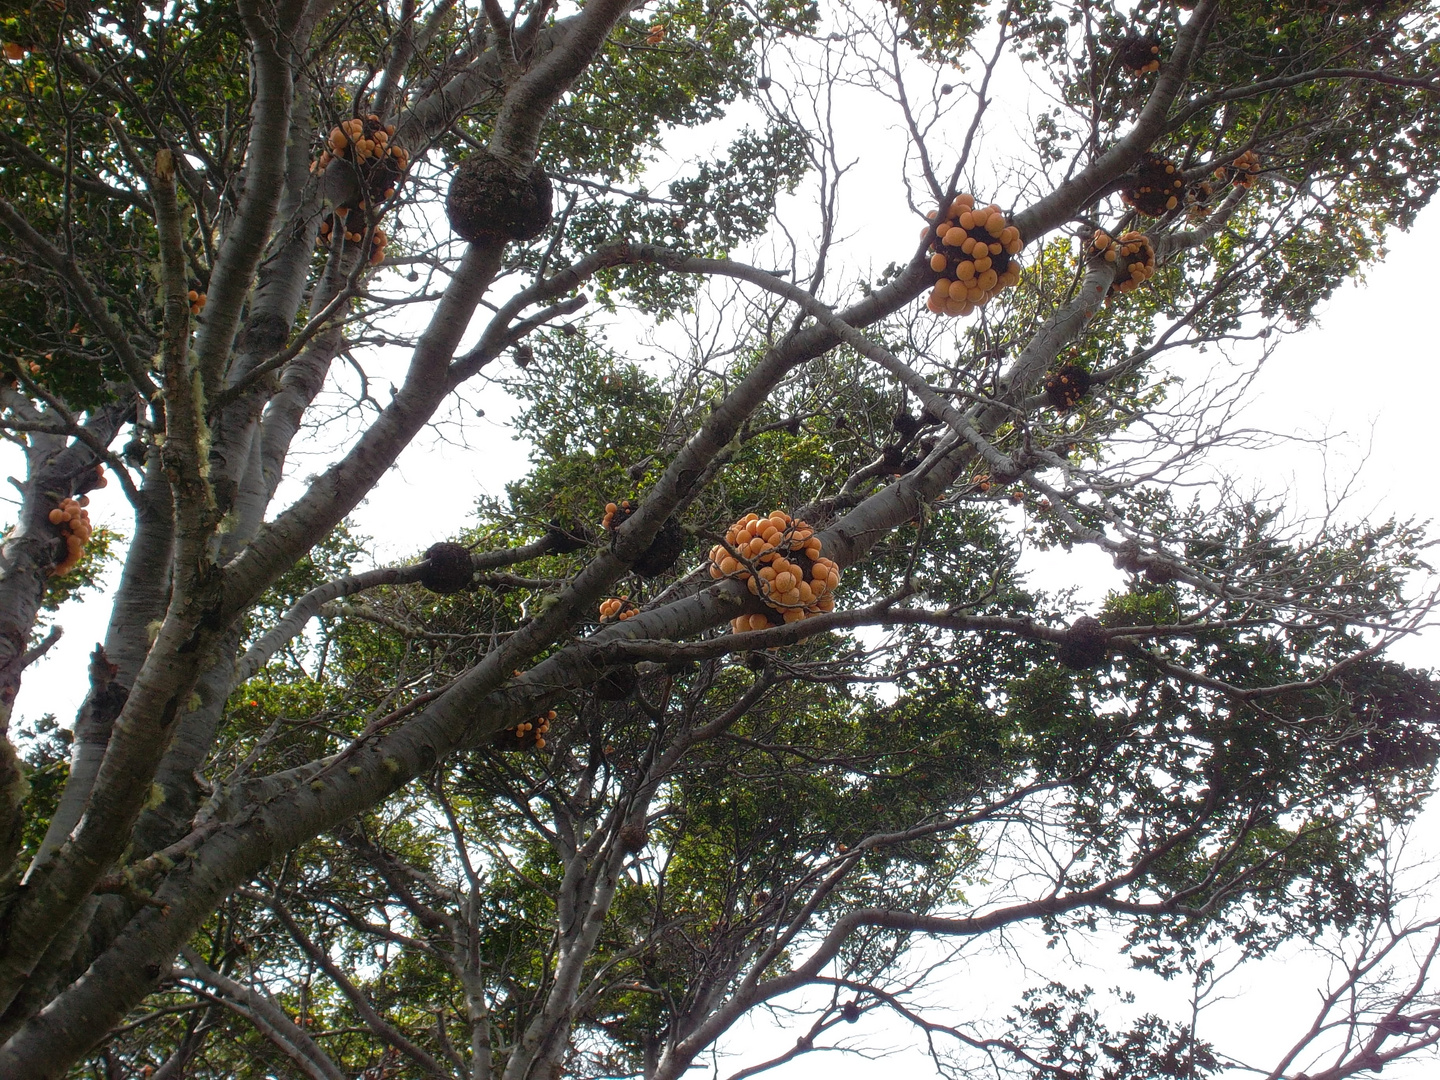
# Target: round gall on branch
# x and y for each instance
(665, 548)
(367, 144)
(1140, 55)
(487, 201)
(780, 561)
(1132, 253)
(449, 568)
(972, 252)
(1067, 386)
(1156, 185)
(1085, 645)
(664, 551)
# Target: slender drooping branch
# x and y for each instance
(268, 1018)
(64, 266)
(309, 605)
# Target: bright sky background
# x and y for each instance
(1366, 375)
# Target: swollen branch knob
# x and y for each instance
(448, 568)
(1085, 645)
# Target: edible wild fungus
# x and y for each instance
(75, 529)
(616, 514)
(1140, 55)
(1242, 171)
(781, 561)
(370, 147)
(526, 735)
(1133, 256)
(617, 609)
(1155, 186)
(972, 253)
(1067, 386)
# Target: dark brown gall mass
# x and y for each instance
(487, 201)
(448, 568)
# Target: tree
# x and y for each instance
(573, 797)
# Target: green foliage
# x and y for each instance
(47, 765)
(85, 575)
(91, 206)
(1065, 1034)
(726, 202)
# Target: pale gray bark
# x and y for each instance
(247, 236)
(56, 467)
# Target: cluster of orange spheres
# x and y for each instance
(616, 513)
(74, 522)
(1133, 255)
(29, 365)
(1156, 186)
(1242, 171)
(972, 249)
(353, 234)
(366, 142)
(378, 240)
(779, 560)
(1198, 200)
(539, 728)
(1140, 55)
(197, 302)
(618, 608)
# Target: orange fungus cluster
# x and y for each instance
(367, 143)
(1133, 255)
(616, 514)
(74, 522)
(1140, 55)
(535, 729)
(1242, 171)
(353, 225)
(973, 250)
(1156, 185)
(370, 147)
(197, 301)
(1066, 387)
(617, 608)
(780, 561)
(29, 366)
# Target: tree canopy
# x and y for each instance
(740, 698)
